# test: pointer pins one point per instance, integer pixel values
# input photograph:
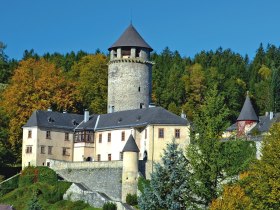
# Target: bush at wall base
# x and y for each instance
(109, 206)
(131, 199)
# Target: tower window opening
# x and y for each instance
(139, 89)
(137, 53)
(126, 52)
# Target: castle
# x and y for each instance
(88, 149)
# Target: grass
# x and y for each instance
(50, 197)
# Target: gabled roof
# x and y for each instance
(54, 120)
(247, 112)
(130, 145)
(131, 38)
(139, 118)
(265, 123)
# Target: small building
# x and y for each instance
(251, 127)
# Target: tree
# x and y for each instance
(233, 198)
(263, 181)
(91, 74)
(5, 72)
(35, 85)
(168, 187)
(34, 204)
(206, 166)
(195, 87)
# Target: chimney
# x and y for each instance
(266, 114)
(270, 115)
(183, 115)
(86, 115)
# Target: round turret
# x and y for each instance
(130, 168)
(129, 72)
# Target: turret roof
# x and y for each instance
(130, 145)
(131, 38)
(247, 112)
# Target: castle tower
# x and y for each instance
(130, 168)
(247, 117)
(129, 72)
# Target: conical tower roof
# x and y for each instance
(130, 145)
(247, 112)
(131, 38)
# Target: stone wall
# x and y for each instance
(105, 177)
(129, 84)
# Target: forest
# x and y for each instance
(73, 82)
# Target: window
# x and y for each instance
(177, 133)
(29, 134)
(98, 157)
(109, 137)
(121, 156)
(65, 151)
(145, 133)
(28, 149)
(42, 149)
(100, 138)
(161, 133)
(109, 157)
(66, 136)
(139, 89)
(48, 164)
(48, 135)
(123, 136)
(50, 150)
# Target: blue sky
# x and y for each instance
(188, 26)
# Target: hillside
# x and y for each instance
(38, 186)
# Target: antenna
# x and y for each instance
(130, 16)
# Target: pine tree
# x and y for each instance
(206, 164)
(34, 203)
(168, 186)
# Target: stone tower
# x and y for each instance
(247, 117)
(129, 72)
(130, 168)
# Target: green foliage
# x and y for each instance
(263, 182)
(34, 204)
(91, 74)
(168, 187)
(237, 155)
(143, 183)
(9, 186)
(131, 199)
(41, 174)
(109, 206)
(45, 191)
(211, 162)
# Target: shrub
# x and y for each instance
(142, 183)
(9, 186)
(109, 206)
(131, 199)
(41, 174)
